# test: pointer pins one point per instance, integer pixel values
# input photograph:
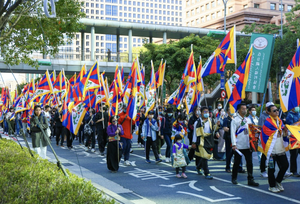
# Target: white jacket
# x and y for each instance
(242, 139)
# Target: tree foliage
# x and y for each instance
(24, 29)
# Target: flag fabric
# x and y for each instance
(141, 86)
(133, 96)
(157, 74)
(290, 84)
(294, 142)
(151, 91)
(173, 97)
(72, 80)
(52, 77)
(90, 99)
(191, 83)
(236, 85)
(114, 111)
(80, 75)
(217, 61)
(93, 78)
(122, 75)
(44, 86)
(268, 136)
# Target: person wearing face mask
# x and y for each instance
(126, 123)
(149, 135)
(216, 111)
(166, 132)
(142, 118)
(101, 120)
(192, 120)
(159, 138)
(219, 149)
(203, 140)
(241, 145)
(178, 155)
(179, 127)
(292, 117)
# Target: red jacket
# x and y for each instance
(126, 125)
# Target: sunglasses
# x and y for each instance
(274, 111)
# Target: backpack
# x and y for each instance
(87, 128)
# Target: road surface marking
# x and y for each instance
(219, 191)
(208, 199)
(191, 185)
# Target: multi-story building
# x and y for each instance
(210, 13)
(164, 12)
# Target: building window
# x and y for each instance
(272, 6)
(202, 20)
(188, 14)
(256, 5)
(213, 4)
(92, 5)
(230, 9)
(219, 14)
(97, 44)
(207, 6)
(87, 37)
(213, 16)
(198, 10)
(193, 23)
(97, 37)
(281, 7)
(198, 21)
(193, 12)
(87, 43)
(87, 5)
(202, 8)
(289, 8)
(207, 18)
(219, 2)
(245, 6)
(111, 10)
(187, 3)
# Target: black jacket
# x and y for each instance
(98, 116)
(57, 120)
(167, 130)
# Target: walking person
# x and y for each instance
(241, 144)
(179, 157)
(159, 137)
(113, 155)
(273, 133)
(227, 138)
(149, 135)
(101, 123)
(59, 127)
(166, 132)
(142, 118)
(90, 133)
(48, 117)
(192, 120)
(39, 140)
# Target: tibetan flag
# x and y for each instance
(122, 75)
(93, 78)
(217, 61)
(141, 86)
(132, 106)
(80, 75)
(191, 83)
(72, 80)
(44, 86)
(235, 86)
(269, 134)
(157, 74)
(52, 77)
(90, 99)
(173, 97)
(31, 88)
(114, 109)
(151, 91)
(129, 84)
(289, 85)
(294, 142)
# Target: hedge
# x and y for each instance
(24, 179)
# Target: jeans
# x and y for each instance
(126, 147)
(283, 165)
(18, 126)
(168, 142)
(237, 160)
(5, 126)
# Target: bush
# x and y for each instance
(34, 180)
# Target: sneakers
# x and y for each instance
(279, 186)
(158, 160)
(295, 174)
(274, 190)
(199, 172)
(102, 154)
(139, 145)
(131, 150)
(86, 149)
(233, 181)
(252, 183)
(160, 156)
(167, 160)
(209, 177)
(178, 176)
(287, 174)
(93, 150)
(148, 161)
(126, 163)
(183, 175)
(264, 174)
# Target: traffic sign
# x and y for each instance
(223, 94)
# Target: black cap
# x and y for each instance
(151, 112)
(169, 110)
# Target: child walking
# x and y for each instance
(179, 158)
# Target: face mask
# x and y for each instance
(222, 113)
(170, 114)
(219, 107)
(205, 115)
(198, 112)
(297, 109)
(254, 113)
(179, 141)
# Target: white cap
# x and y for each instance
(269, 104)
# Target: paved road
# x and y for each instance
(156, 183)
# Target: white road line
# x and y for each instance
(191, 185)
(219, 191)
(245, 186)
(208, 199)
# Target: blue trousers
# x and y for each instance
(168, 142)
(18, 126)
(5, 126)
(126, 147)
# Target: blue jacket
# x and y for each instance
(292, 118)
(153, 128)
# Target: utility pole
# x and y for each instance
(225, 5)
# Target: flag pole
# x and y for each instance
(162, 86)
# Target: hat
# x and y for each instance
(151, 112)
(169, 110)
(269, 104)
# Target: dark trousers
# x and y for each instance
(262, 165)
(283, 165)
(102, 139)
(70, 138)
(159, 143)
(237, 160)
(59, 135)
(140, 140)
(168, 142)
(90, 139)
(126, 147)
(229, 153)
(150, 143)
(293, 160)
(202, 164)
(191, 154)
(183, 169)
(80, 134)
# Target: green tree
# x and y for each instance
(24, 29)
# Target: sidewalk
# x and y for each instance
(110, 188)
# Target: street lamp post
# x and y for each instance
(225, 4)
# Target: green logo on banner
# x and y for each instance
(263, 46)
